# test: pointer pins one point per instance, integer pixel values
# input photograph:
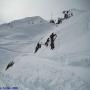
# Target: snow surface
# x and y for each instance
(67, 67)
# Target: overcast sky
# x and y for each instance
(16, 9)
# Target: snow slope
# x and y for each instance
(67, 67)
(16, 35)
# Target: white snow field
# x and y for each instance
(67, 67)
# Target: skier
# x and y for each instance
(52, 37)
(47, 42)
(37, 47)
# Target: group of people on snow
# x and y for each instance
(50, 41)
(67, 14)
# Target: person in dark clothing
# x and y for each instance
(66, 14)
(9, 65)
(47, 42)
(37, 47)
(52, 37)
(59, 21)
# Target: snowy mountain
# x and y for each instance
(14, 38)
(67, 67)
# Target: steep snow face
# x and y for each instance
(72, 36)
(17, 35)
(64, 68)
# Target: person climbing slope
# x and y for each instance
(47, 42)
(37, 47)
(52, 38)
(9, 65)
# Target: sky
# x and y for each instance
(17, 9)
